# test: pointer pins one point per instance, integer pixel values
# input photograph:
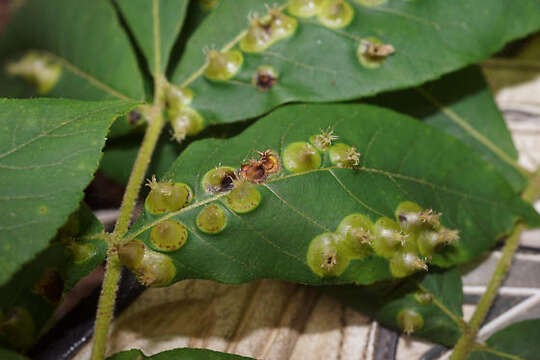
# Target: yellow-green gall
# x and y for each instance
(80, 251)
(344, 156)
(185, 121)
(243, 198)
(219, 179)
(405, 263)
(357, 232)
(17, 329)
(326, 256)
(177, 97)
(168, 235)
(430, 240)
(372, 52)
(408, 214)
(223, 65)
(388, 237)
(423, 297)
(38, 69)
(265, 31)
(166, 196)
(300, 157)
(335, 14)
(304, 8)
(152, 268)
(212, 219)
(409, 320)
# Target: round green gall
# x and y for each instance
(166, 196)
(357, 232)
(265, 31)
(371, 52)
(371, 3)
(301, 156)
(168, 235)
(184, 122)
(212, 219)
(155, 269)
(344, 156)
(405, 263)
(388, 237)
(409, 320)
(304, 8)
(131, 254)
(219, 180)
(17, 329)
(423, 297)
(37, 68)
(223, 65)
(326, 256)
(408, 214)
(429, 241)
(243, 198)
(80, 251)
(177, 97)
(335, 14)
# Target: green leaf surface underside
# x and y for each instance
(184, 354)
(143, 15)
(518, 341)
(436, 296)
(49, 150)
(38, 287)
(401, 159)
(85, 38)
(317, 63)
(461, 105)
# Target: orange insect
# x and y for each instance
(257, 171)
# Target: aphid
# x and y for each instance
(223, 65)
(304, 8)
(324, 139)
(265, 78)
(409, 320)
(335, 14)
(219, 180)
(325, 255)
(300, 157)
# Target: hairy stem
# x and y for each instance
(467, 340)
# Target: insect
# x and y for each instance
(257, 171)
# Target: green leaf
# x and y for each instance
(38, 287)
(319, 64)
(85, 38)
(517, 341)
(436, 296)
(10, 355)
(155, 24)
(184, 354)
(401, 159)
(49, 150)
(461, 105)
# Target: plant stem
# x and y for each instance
(467, 340)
